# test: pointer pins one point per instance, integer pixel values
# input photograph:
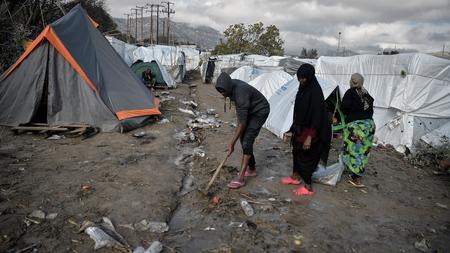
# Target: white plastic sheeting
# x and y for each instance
(282, 105)
(269, 83)
(248, 73)
(169, 56)
(411, 92)
(435, 137)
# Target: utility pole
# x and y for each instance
(339, 43)
(136, 17)
(151, 21)
(128, 26)
(157, 22)
(163, 28)
(141, 8)
(169, 11)
(443, 50)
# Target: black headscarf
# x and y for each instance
(310, 109)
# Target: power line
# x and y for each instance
(141, 8)
(136, 17)
(169, 11)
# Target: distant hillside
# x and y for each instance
(203, 36)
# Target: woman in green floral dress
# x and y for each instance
(357, 105)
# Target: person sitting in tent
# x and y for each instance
(252, 110)
(148, 78)
(310, 132)
(357, 106)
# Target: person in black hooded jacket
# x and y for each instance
(310, 132)
(252, 110)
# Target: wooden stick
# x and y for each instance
(216, 173)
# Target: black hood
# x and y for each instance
(225, 83)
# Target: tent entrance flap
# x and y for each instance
(40, 113)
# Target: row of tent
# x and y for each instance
(71, 74)
(411, 92)
(173, 61)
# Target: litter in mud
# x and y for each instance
(209, 229)
(211, 111)
(185, 135)
(155, 247)
(139, 134)
(423, 245)
(248, 210)
(441, 205)
(38, 214)
(187, 111)
(164, 121)
(203, 122)
(191, 103)
(152, 226)
(103, 233)
(56, 137)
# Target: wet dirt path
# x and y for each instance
(399, 207)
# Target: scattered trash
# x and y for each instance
(140, 134)
(216, 200)
(363, 191)
(165, 97)
(38, 214)
(272, 199)
(297, 242)
(211, 111)
(423, 245)
(154, 227)
(186, 111)
(270, 178)
(236, 224)
(103, 233)
(329, 175)
(248, 210)
(233, 125)
(209, 229)
(203, 122)
(21, 169)
(185, 136)
(51, 216)
(129, 226)
(34, 247)
(86, 187)
(155, 247)
(441, 205)
(198, 151)
(288, 200)
(432, 230)
(191, 103)
(164, 121)
(56, 137)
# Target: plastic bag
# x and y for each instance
(329, 175)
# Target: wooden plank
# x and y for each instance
(36, 128)
(78, 130)
(73, 125)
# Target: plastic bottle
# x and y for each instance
(248, 210)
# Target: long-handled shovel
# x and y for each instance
(216, 173)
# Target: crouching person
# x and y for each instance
(252, 110)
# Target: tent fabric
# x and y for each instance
(139, 54)
(107, 78)
(139, 68)
(282, 105)
(411, 92)
(269, 83)
(435, 137)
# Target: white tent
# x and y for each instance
(280, 90)
(282, 105)
(411, 92)
(269, 83)
(248, 73)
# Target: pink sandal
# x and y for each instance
(234, 184)
(290, 180)
(302, 191)
(250, 173)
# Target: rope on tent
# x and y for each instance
(410, 74)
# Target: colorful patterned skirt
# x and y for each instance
(358, 139)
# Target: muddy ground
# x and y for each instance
(159, 178)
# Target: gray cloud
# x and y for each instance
(366, 26)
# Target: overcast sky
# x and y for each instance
(366, 26)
